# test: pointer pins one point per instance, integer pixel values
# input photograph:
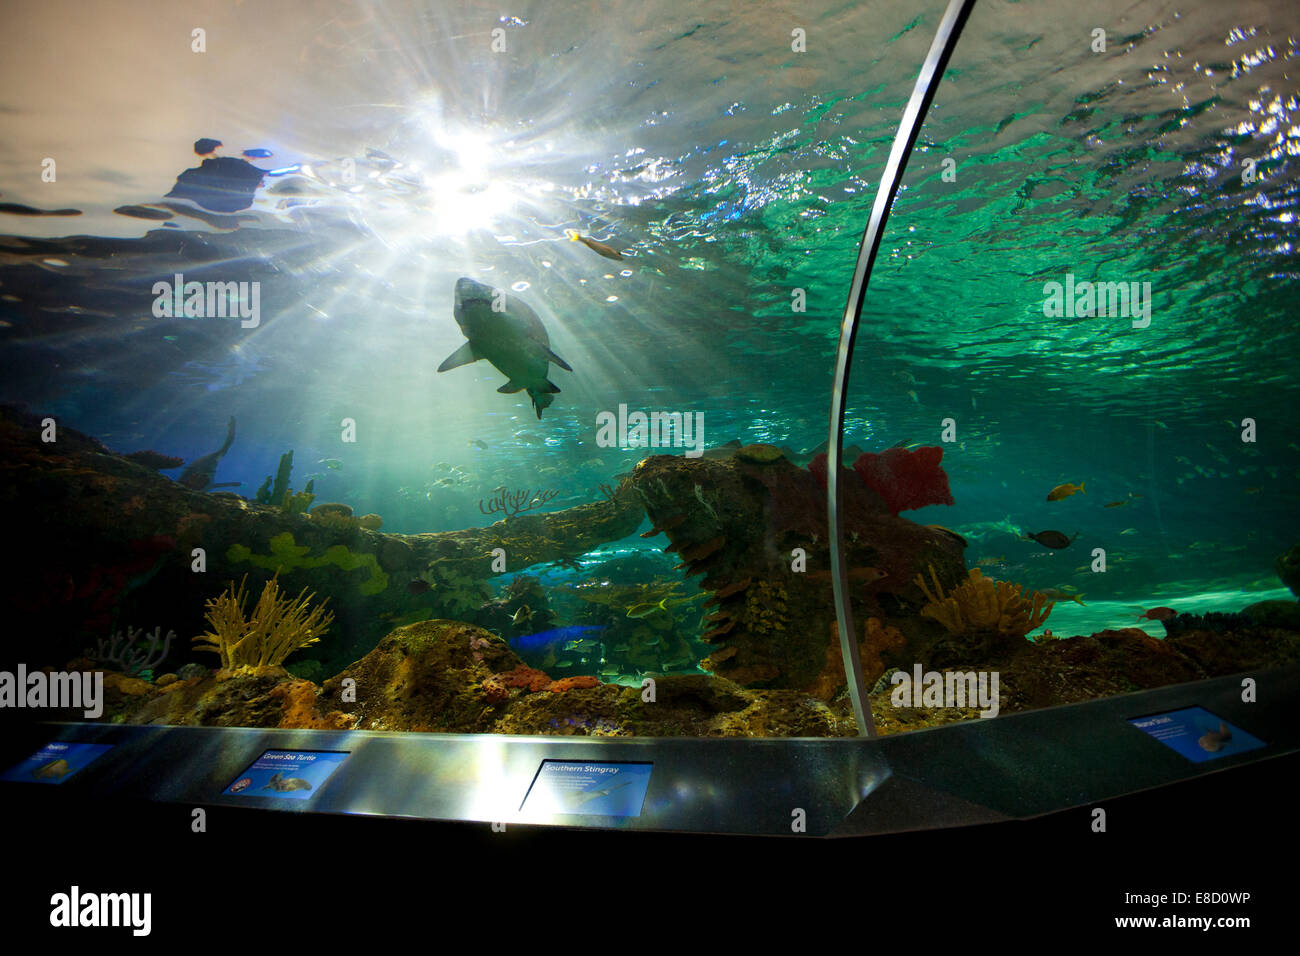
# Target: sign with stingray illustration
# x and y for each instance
(577, 786)
(1197, 734)
(291, 774)
(55, 762)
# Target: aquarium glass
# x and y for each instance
(424, 367)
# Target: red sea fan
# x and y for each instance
(818, 468)
(905, 479)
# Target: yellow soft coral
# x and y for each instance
(277, 627)
(982, 604)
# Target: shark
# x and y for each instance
(507, 332)
(198, 474)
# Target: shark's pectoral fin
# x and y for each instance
(509, 388)
(557, 360)
(462, 356)
(551, 387)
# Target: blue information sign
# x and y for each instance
(292, 774)
(579, 786)
(55, 762)
(1197, 734)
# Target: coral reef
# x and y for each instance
(277, 627)
(280, 494)
(573, 683)
(757, 523)
(425, 678)
(122, 652)
(511, 503)
(904, 478)
(154, 460)
(1214, 621)
(982, 606)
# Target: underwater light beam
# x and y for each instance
(936, 61)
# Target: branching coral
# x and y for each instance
(982, 604)
(511, 503)
(277, 627)
(129, 657)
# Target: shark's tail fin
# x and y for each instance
(230, 436)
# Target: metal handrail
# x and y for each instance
(936, 61)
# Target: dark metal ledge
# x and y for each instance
(1011, 767)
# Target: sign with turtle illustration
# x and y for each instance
(294, 774)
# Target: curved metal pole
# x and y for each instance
(936, 61)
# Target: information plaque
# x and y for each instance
(1197, 734)
(588, 787)
(55, 762)
(291, 774)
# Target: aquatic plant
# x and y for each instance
(981, 604)
(123, 653)
(517, 502)
(277, 627)
(288, 556)
(280, 494)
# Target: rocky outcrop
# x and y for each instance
(738, 522)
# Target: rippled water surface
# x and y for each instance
(731, 171)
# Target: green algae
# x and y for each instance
(286, 556)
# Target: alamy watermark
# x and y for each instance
(74, 690)
(948, 689)
(208, 300)
(1084, 299)
(653, 430)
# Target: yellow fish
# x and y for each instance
(1064, 491)
(609, 252)
(645, 610)
(1116, 504)
(1059, 594)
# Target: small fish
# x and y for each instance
(1052, 539)
(906, 377)
(258, 153)
(333, 464)
(584, 645)
(280, 783)
(418, 586)
(1160, 423)
(1133, 494)
(867, 575)
(475, 443)
(1213, 741)
(1129, 531)
(1253, 491)
(556, 636)
(990, 562)
(609, 252)
(911, 393)
(521, 616)
(645, 610)
(1116, 504)
(1157, 614)
(1064, 491)
(1058, 594)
